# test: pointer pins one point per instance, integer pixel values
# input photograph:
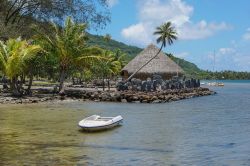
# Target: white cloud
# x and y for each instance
(153, 13)
(160, 11)
(112, 3)
(246, 36)
(226, 51)
(200, 30)
(137, 34)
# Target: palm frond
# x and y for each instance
(166, 33)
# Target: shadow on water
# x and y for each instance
(100, 131)
(127, 148)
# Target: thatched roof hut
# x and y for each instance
(161, 65)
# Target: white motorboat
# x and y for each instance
(215, 84)
(96, 122)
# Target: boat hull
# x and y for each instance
(215, 84)
(100, 128)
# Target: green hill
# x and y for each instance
(132, 51)
(189, 68)
(112, 45)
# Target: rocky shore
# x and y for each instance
(129, 96)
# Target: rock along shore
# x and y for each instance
(129, 96)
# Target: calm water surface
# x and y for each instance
(213, 130)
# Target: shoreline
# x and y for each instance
(129, 96)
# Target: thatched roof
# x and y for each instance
(161, 65)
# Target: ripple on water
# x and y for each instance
(211, 130)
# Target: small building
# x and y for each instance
(161, 65)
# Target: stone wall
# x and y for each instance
(110, 96)
(157, 84)
(139, 96)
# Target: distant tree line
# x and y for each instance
(192, 71)
(224, 75)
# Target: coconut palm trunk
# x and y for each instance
(5, 82)
(109, 84)
(14, 87)
(73, 80)
(23, 79)
(62, 79)
(21, 82)
(103, 83)
(30, 83)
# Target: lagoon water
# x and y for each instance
(212, 130)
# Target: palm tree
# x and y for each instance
(68, 44)
(121, 57)
(167, 34)
(113, 65)
(107, 66)
(107, 38)
(14, 57)
(35, 66)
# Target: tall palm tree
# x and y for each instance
(114, 67)
(14, 57)
(121, 57)
(167, 34)
(109, 65)
(68, 44)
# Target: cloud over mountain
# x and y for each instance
(152, 13)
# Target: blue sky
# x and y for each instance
(203, 26)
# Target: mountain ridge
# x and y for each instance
(97, 40)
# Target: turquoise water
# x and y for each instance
(212, 130)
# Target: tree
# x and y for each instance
(108, 66)
(167, 35)
(35, 66)
(17, 16)
(107, 38)
(85, 63)
(121, 57)
(92, 11)
(68, 44)
(14, 57)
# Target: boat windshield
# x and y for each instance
(104, 118)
